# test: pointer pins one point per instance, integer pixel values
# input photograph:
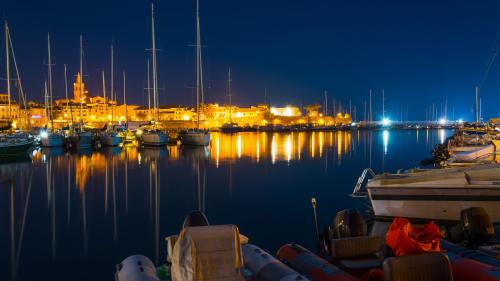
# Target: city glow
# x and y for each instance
(44, 134)
(442, 121)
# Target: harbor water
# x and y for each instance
(75, 215)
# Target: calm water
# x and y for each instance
(75, 216)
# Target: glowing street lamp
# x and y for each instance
(386, 122)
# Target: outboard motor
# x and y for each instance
(136, 268)
(195, 218)
(475, 226)
(349, 223)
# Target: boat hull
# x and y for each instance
(154, 139)
(81, 140)
(110, 139)
(433, 202)
(15, 149)
(52, 140)
(474, 154)
(195, 138)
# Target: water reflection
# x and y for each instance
(113, 202)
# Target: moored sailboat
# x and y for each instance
(49, 137)
(197, 136)
(153, 136)
(80, 138)
(12, 144)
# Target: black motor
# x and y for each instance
(195, 218)
(349, 223)
(475, 227)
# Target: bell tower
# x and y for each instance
(79, 92)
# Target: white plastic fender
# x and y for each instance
(136, 268)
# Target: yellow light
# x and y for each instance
(185, 117)
(239, 114)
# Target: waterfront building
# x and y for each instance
(4, 108)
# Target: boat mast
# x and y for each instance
(112, 93)
(230, 95)
(81, 79)
(477, 105)
(155, 80)
(370, 118)
(49, 99)
(124, 99)
(149, 92)
(104, 94)
(199, 66)
(66, 92)
(383, 104)
(7, 64)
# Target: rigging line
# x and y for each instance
(491, 59)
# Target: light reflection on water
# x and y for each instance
(90, 209)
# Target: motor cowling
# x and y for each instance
(476, 225)
(195, 218)
(349, 223)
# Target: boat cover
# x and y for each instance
(404, 239)
(207, 253)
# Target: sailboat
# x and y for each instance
(12, 145)
(230, 127)
(110, 136)
(197, 136)
(153, 136)
(79, 137)
(48, 137)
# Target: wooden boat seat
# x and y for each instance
(358, 254)
(428, 267)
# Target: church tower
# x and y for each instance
(79, 93)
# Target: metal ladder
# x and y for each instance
(357, 192)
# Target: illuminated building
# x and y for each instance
(4, 108)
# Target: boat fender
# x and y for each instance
(311, 265)
(267, 268)
(136, 268)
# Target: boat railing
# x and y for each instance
(358, 191)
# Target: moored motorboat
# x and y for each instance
(473, 153)
(435, 194)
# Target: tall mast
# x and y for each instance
(326, 103)
(370, 111)
(124, 98)
(155, 80)
(49, 99)
(104, 94)
(81, 78)
(199, 67)
(383, 104)
(149, 92)
(66, 92)
(46, 98)
(112, 82)
(7, 63)
(230, 95)
(477, 105)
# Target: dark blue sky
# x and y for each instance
(420, 51)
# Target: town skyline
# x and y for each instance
(262, 52)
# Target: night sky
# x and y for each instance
(420, 51)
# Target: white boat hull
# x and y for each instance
(110, 139)
(154, 139)
(434, 203)
(474, 154)
(52, 140)
(195, 138)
